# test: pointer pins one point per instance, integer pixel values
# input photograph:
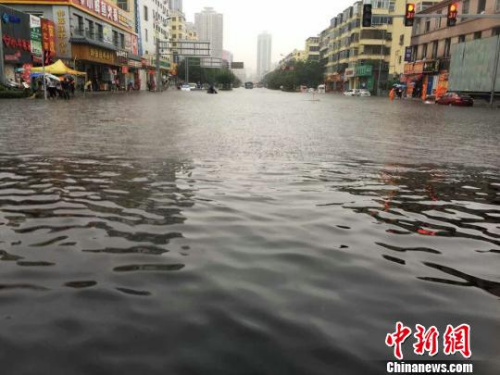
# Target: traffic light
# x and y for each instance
(409, 15)
(367, 15)
(452, 14)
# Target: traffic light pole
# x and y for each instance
(495, 71)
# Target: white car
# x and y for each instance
(364, 92)
(353, 92)
(185, 88)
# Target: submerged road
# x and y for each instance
(250, 232)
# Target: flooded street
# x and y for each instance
(250, 232)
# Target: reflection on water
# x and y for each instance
(261, 267)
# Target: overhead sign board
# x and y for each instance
(237, 65)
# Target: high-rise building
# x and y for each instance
(264, 48)
(176, 5)
(209, 25)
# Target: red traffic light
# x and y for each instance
(410, 14)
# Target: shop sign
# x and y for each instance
(431, 66)
(100, 54)
(122, 57)
(16, 36)
(36, 36)
(48, 39)
(10, 18)
(408, 69)
(106, 9)
(349, 73)
(124, 69)
(19, 44)
(62, 32)
(134, 64)
(418, 67)
(364, 70)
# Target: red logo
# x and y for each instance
(455, 340)
(397, 339)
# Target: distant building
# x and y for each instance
(210, 26)
(264, 50)
(191, 33)
(176, 5)
(312, 49)
(432, 43)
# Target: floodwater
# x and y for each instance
(250, 232)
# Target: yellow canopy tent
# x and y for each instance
(58, 69)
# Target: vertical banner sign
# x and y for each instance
(36, 37)
(48, 40)
(62, 31)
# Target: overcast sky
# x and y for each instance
(290, 22)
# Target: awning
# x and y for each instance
(59, 69)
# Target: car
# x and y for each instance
(185, 88)
(352, 92)
(455, 99)
(364, 92)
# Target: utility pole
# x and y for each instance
(495, 71)
(2, 78)
(158, 72)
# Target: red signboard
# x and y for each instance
(107, 10)
(48, 37)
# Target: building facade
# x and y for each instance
(431, 44)
(97, 38)
(175, 5)
(264, 51)
(401, 36)
(359, 57)
(210, 27)
(312, 48)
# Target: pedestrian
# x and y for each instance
(392, 94)
(51, 88)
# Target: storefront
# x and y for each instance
(99, 63)
(364, 77)
(16, 41)
(424, 80)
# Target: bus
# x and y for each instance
(249, 85)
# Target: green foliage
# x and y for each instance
(295, 74)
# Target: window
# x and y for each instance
(79, 23)
(427, 26)
(424, 51)
(434, 49)
(115, 38)
(481, 6)
(461, 38)
(438, 21)
(146, 35)
(122, 41)
(477, 35)
(447, 46)
(402, 39)
(90, 27)
(145, 13)
(100, 35)
(123, 4)
(174, 27)
(497, 6)
(465, 7)
(496, 31)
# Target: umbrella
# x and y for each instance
(47, 75)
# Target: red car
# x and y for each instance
(452, 98)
